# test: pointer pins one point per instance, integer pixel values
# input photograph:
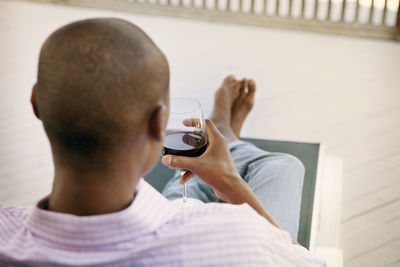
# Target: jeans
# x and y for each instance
(275, 178)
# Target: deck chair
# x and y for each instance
(321, 197)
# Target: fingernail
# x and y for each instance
(167, 160)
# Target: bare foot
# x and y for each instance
(224, 100)
(242, 106)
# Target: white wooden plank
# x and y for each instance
(371, 240)
(370, 183)
(373, 167)
(371, 202)
(369, 221)
(386, 255)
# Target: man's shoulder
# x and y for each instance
(223, 210)
(222, 218)
(224, 234)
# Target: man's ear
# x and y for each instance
(158, 122)
(33, 101)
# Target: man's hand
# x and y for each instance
(215, 167)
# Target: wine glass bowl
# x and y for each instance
(185, 134)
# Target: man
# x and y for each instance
(102, 95)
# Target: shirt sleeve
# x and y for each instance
(285, 252)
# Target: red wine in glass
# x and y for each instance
(186, 136)
(183, 143)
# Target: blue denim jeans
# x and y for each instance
(275, 178)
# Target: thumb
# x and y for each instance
(179, 162)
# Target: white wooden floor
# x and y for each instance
(343, 92)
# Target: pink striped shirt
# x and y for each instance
(150, 232)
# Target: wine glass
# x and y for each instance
(185, 136)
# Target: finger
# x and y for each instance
(179, 162)
(193, 122)
(213, 134)
(186, 177)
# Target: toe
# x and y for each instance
(233, 86)
(242, 87)
(251, 86)
(236, 89)
(229, 80)
(247, 99)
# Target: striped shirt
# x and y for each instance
(150, 232)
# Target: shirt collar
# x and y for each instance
(148, 211)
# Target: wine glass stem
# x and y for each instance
(184, 197)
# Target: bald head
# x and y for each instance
(98, 82)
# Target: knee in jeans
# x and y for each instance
(294, 167)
